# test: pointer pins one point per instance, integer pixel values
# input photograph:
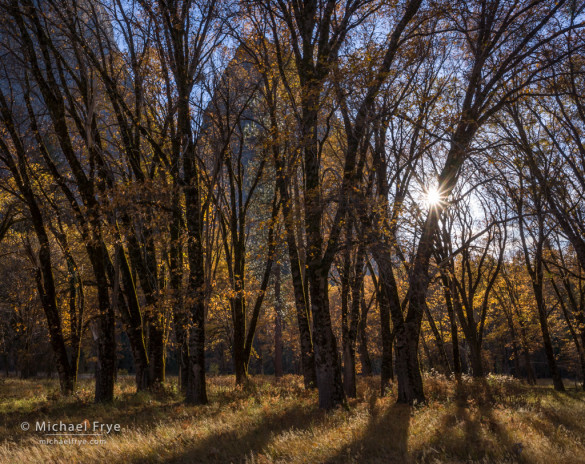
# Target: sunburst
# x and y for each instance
(433, 197)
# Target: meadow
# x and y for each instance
(498, 419)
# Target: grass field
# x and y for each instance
(497, 420)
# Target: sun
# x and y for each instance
(433, 197)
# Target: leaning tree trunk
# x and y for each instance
(48, 295)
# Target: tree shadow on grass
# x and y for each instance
(234, 445)
(127, 413)
(559, 424)
(471, 431)
(385, 439)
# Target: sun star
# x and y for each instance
(433, 197)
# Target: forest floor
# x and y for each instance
(493, 421)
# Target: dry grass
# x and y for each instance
(498, 420)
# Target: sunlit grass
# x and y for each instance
(496, 420)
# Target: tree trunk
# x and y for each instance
(326, 361)
(476, 361)
(196, 388)
(106, 335)
(530, 377)
(239, 318)
(196, 392)
(47, 293)
(406, 333)
(387, 370)
(132, 318)
(444, 360)
(548, 348)
(349, 375)
(298, 280)
(180, 316)
(514, 337)
(156, 351)
(44, 274)
(347, 358)
(578, 316)
(410, 389)
(277, 324)
(453, 326)
(363, 341)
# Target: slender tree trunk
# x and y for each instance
(180, 316)
(44, 274)
(363, 340)
(530, 377)
(406, 333)
(132, 318)
(240, 364)
(514, 337)
(349, 375)
(387, 369)
(298, 280)
(345, 275)
(305, 336)
(277, 324)
(196, 387)
(382, 291)
(577, 310)
(47, 292)
(548, 347)
(444, 360)
(296, 256)
(453, 326)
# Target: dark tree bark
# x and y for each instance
(448, 292)
(363, 336)
(352, 282)
(185, 45)
(444, 360)
(283, 174)
(44, 273)
(535, 267)
(577, 310)
(277, 324)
